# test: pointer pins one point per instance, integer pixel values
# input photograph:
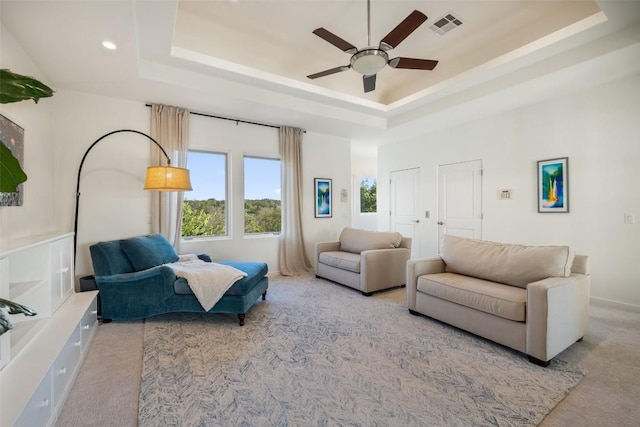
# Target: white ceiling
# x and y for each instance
(250, 59)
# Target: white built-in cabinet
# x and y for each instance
(40, 355)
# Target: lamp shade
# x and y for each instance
(167, 178)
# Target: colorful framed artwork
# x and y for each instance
(323, 194)
(553, 185)
(11, 163)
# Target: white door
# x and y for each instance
(460, 199)
(405, 205)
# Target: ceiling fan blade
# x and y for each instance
(329, 72)
(413, 63)
(335, 40)
(402, 31)
(369, 83)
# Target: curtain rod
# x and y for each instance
(233, 120)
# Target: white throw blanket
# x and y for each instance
(208, 280)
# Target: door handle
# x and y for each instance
(417, 220)
(440, 223)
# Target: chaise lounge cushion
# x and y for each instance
(255, 272)
(355, 241)
(514, 265)
(109, 259)
(149, 251)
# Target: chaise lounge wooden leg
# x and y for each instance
(264, 295)
(241, 319)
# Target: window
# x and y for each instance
(368, 198)
(261, 195)
(204, 211)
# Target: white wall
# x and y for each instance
(325, 156)
(113, 204)
(37, 214)
(597, 129)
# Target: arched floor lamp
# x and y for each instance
(159, 178)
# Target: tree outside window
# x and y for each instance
(204, 210)
(262, 213)
(368, 198)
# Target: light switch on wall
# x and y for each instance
(629, 218)
(343, 195)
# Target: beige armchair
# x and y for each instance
(368, 261)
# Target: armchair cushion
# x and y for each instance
(343, 260)
(149, 251)
(355, 241)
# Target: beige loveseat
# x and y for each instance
(534, 299)
(365, 260)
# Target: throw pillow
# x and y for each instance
(145, 252)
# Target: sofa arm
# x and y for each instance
(382, 268)
(557, 314)
(416, 268)
(137, 294)
(320, 247)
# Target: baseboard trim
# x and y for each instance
(618, 304)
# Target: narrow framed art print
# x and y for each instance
(553, 185)
(322, 188)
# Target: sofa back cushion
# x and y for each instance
(355, 240)
(109, 259)
(148, 251)
(515, 265)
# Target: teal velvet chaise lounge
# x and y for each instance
(134, 283)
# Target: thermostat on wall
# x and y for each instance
(505, 194)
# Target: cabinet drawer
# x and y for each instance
(39, 408)
(89, 323)
(65, 365)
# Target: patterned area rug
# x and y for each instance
(318, 354)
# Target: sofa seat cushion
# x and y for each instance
(255, 272)
(515, 265)
(355, 240)
(508, 302)
(342, 260)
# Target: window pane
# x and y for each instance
(368, 195)
(204, 211)
(261, 195)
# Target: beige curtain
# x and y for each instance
(170, 127)
(293, 258)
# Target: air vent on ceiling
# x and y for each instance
(446, 24)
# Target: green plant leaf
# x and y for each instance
(16, 87)
(11, 174)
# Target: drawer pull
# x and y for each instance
(94, 311)
(62, 371)
(64, 270)
(85, 327)
(76, 344)
(45, 403)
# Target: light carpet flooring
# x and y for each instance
(106, 390)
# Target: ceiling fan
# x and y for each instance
(369, 60)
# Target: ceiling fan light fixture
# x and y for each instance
(369, 61)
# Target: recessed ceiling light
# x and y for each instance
(109, 45)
